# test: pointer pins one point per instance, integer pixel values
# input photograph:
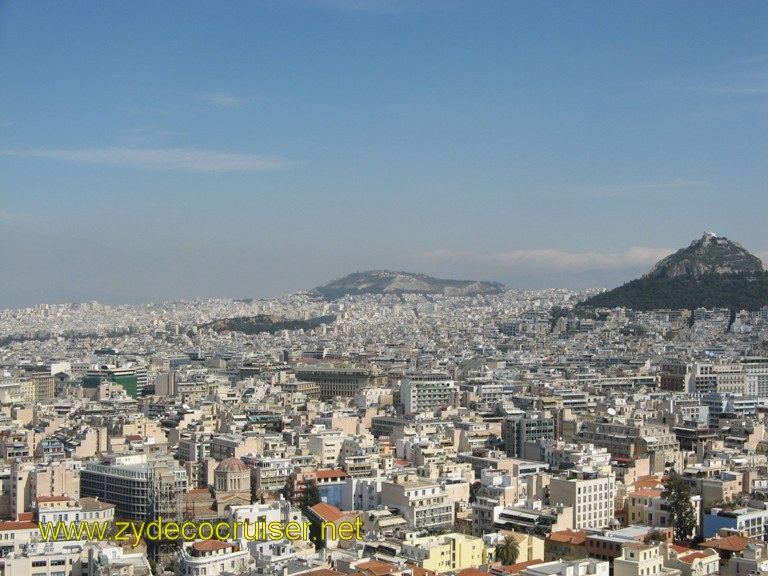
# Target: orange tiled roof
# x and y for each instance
(733, 543)
(689, 558)
(327, 512)
(11, 525)
(208, 545)
(331, 474)
(376, 567)
(472, 572)
(53, 499)
(419, 571)
(649, 492)
(569, 536)
(520, 566)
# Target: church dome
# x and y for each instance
(232, 465)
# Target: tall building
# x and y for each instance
(530, 427)
(427, 392)
(672, 375)
(591, 495)
(140, 488)
(133, 379)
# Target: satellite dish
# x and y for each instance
(612, 411)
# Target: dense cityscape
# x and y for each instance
(505, 433)
(383, 288)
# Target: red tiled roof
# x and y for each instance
(649, 492)
(53, 499)
(376, 567)
(331, 474)
(689, 558)
(472, 572)
(520, 566)
(327, 512)
(208, 545)
(733, 543)
(21, 525)
(419, 571)
(569, 536)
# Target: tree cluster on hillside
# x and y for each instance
(735, 291)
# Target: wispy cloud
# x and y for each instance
(179, 159)
(764, 257)
(554, 260)
(224, 99)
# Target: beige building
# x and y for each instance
(422, 503)
(446, 553)
(641, 560)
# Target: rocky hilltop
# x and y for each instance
(388, 282)
(710, 254)
(713, 272)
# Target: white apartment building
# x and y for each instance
(757, 376)
(61, 508)
(591, 496)
(427, 392)
(641, 560)
(325, 446)
(212, 557)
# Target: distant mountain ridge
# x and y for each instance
(388, 282)
(712, 272)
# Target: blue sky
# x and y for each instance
(163, 150)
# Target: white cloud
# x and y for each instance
(555, 260)
(180, 159)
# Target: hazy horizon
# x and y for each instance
(161, 151)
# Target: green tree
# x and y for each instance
(655, 536)
(682, 514)
(507, 551)
(310, 496)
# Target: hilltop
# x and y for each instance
(710, 254)
(712, 272)
(388, 282)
